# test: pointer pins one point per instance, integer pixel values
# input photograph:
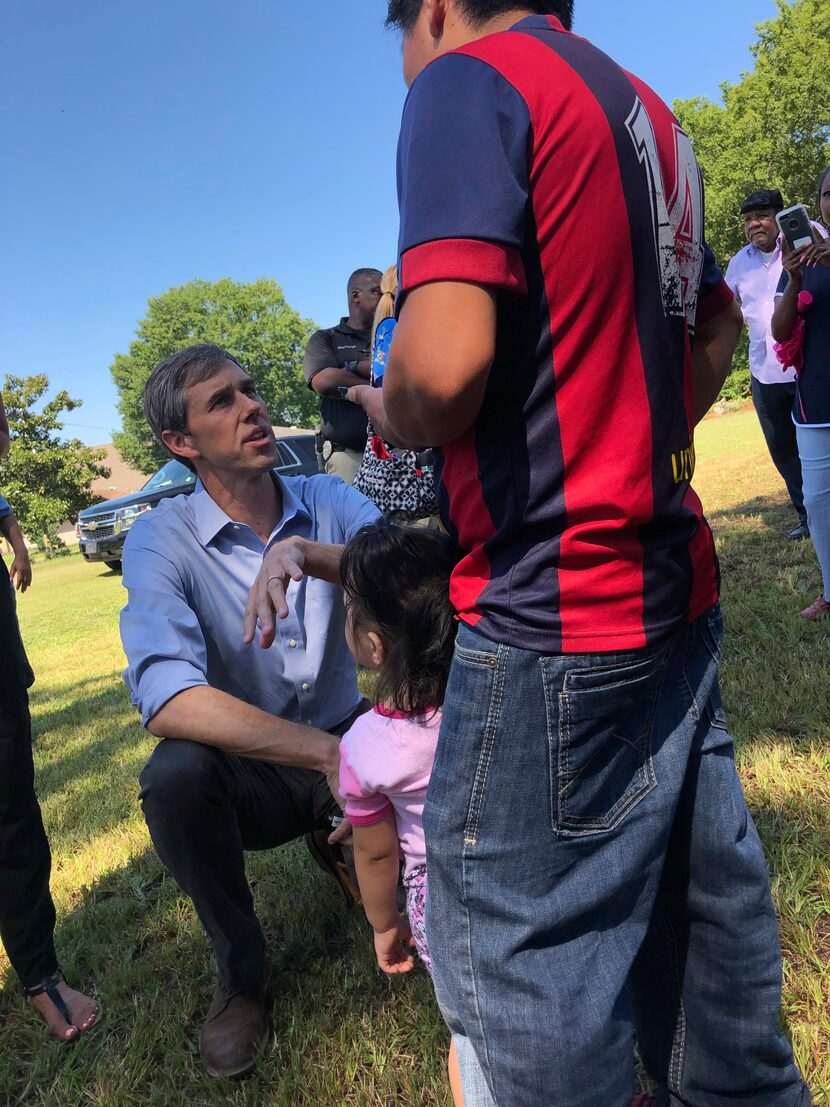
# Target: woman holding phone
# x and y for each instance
(802, 313)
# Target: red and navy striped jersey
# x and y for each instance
(532, 163)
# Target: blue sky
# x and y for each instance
(148, 143)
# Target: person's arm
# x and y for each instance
(712, 350)
(377, 862)
(283, 562)
(786, 305)
(214, 718)
(464, 191)
(446, 324)
(20, 572)
(321, 371)
(167, 668)
(346, 511)
(5, 436)
(325, 382)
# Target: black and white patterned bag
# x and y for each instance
(399, 482)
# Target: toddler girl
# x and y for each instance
(399, 622)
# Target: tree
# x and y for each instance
(45, 479)
(771, 130)
(253, 322)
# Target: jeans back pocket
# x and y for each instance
(600, 720)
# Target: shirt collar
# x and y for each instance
(345, 326)
(753, 251)
(211, 519)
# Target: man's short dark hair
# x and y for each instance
(163, 397)
(404, 13)
(359, 275)
(763, 199)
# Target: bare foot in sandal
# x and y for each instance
(67, 1013)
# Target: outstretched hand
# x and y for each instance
(267, 600)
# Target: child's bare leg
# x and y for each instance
(455, 1077)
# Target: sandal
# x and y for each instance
(817, 609)
(49, 986)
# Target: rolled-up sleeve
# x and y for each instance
(160, 633)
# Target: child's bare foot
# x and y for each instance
(83, 1011)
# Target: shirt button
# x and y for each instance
(306, 687)
(292, 643)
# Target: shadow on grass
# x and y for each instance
(135, 941)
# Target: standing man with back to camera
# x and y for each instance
(339, 358)
(592, 865)
(753, 275)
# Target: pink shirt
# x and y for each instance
(385, 762)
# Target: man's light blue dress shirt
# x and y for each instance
(188, 569)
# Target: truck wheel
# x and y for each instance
(114, 565)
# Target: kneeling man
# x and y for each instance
(248, 744)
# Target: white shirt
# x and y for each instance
(753, 277)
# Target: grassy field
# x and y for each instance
(343, 1034)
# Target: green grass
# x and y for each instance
(343, 1034)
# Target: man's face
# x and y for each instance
(761, 229)
(228, 427)
(366, 294)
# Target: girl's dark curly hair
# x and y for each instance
(397, 578)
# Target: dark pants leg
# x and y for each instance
(204, 808)
(27, 914)
(774, 407)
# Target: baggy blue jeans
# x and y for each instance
(594, 873)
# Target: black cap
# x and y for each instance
(763, 198)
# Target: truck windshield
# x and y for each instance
(173, 473)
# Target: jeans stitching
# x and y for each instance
(678, 1050)
(485, 757)
(646, 779)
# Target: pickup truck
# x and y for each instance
(102, 528)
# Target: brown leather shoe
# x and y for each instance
(236, 1027)
(335, 861)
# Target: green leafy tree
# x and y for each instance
(253, 322)
(770, 130)
(46, 480)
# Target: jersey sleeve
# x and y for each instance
(715, 293)
(783, 281)
(463, 177)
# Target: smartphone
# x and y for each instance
(794, 224)
(342, 391)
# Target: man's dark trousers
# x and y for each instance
(27, 914)
(774, 405)
(204, 808)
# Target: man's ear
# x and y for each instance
(436, 16)
(178, 443)
(378, 652)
